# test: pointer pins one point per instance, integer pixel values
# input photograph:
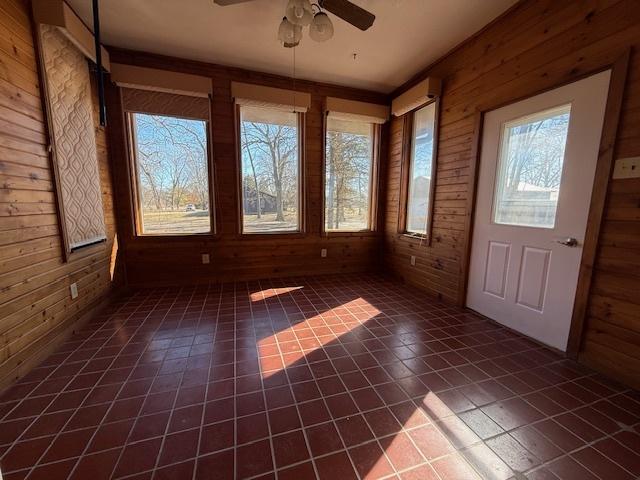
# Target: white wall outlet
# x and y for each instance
(205, 258)
(413, 260)
(74, 290)
(627, 168)
(323, 253)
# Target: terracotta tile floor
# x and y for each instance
(332, 377)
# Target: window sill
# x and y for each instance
(419, 238)
(270, 235)
(175, 237)
(359, 233)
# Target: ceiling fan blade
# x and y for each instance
(224, 3)
(349, 12)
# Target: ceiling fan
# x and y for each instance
(300, 13)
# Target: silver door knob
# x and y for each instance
(568, 242)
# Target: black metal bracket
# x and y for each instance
(99, 72)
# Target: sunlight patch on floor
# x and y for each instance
(272, 292)
(288, 347)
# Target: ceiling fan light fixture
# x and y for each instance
(297, 34)
(299, 12)
(321, 28)
(288, 33)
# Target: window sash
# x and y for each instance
(429, 194)
(357, 128)
(530, 204)
(139, 229)
(261, 115)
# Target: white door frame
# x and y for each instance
(619, 67)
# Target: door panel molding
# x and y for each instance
(533, 269)
(496, 268)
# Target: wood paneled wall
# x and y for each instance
(35, 302)
(178, 260)
(535, 46)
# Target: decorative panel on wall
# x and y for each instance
(68, 95)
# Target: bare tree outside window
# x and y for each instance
(348, 168)
(270, 170)
(172, 174)
(420, 169)
(530, 169)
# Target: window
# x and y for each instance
(348, 175)
(530, 169)
(421, 167)
(172, 174)
(270, 169)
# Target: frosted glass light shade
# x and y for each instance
(299, 12)
(287, 31)
(296, 37)
(321, 29)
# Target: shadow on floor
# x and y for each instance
(332, 377)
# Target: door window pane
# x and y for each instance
(270, 170)
(172, 174)
(420, 171)
(530, 169)
(348, 165)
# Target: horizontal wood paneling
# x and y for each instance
(34, 277)
(178, 260)
(537, 45)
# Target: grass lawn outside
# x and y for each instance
(181, 222)
(267, 223)
(175, 222)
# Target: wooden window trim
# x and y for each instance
(301, 232)
(374, 186)
(132, 165)
(407, 144)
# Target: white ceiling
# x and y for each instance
(407, 36)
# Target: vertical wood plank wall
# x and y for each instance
(35, 303)
(537, 45)
(177, 260)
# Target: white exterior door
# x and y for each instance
(536, 173)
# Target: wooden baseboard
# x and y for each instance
(177, 281)
(39, 355)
